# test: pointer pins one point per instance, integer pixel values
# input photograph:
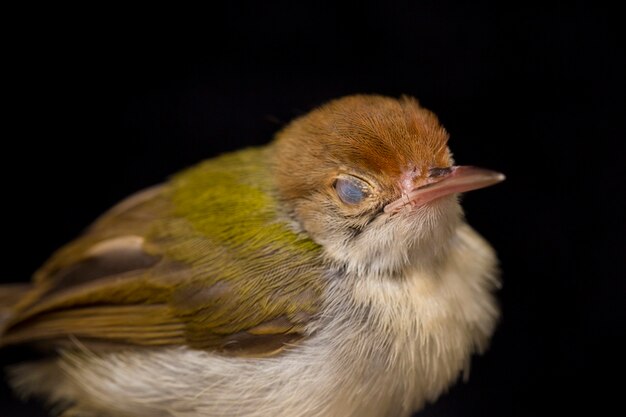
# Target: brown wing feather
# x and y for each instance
(118, 284)
(10, 295)
(136, 324)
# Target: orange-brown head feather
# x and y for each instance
(380, 138)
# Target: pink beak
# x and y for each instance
(459, 180)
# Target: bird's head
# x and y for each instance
(371, 179)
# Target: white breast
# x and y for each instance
(407, 340)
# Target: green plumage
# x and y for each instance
(219, 266)
(231, 200)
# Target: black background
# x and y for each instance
(101, 103)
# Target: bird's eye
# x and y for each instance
(351, 190)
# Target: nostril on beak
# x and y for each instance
(438, 172)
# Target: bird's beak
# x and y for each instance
(459, 179)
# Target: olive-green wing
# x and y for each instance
(181, 264)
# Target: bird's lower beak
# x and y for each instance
(459, 180)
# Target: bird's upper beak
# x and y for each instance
(457, 179)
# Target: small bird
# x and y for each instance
(330, 273)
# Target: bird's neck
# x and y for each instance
(394, 253)
(409, 336)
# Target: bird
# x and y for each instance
(329, 273)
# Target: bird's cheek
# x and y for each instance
(313, 221)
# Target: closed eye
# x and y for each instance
(351, 190)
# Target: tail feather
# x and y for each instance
(10, 295)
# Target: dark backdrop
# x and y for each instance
(100, 103)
